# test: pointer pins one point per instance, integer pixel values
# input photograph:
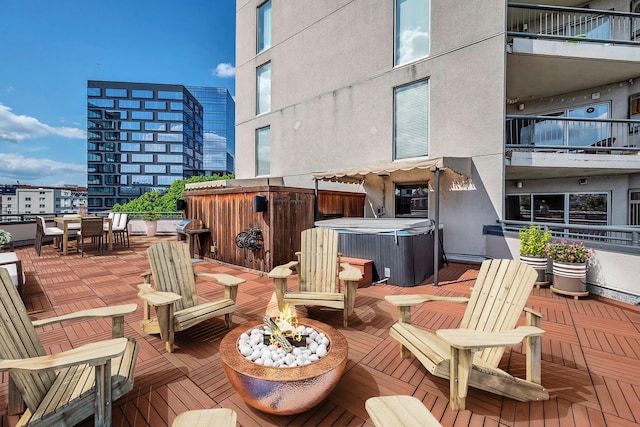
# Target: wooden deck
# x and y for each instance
(590, 356)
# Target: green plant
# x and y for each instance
(150, 216)
(5, 237)
(570, 253)
(533, 241)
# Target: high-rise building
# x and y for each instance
(538, 105)
(218, 124)
(140, 137)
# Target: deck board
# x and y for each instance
(590, 365)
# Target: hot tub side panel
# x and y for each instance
(408, 258)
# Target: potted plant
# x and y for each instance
(569, 267)
(5, 237)
(150, 219)
(82, 209)
(533, 250)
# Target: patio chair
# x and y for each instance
(216, 417)
(318, 277)
(67, 387)
(43, 231)
(470, 354)
(175, 298)
(401, 410)
(90, 228)
(120, 228)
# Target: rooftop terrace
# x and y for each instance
(591, 350)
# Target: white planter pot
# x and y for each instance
(570, 278)
(539, 264)
(152, 227)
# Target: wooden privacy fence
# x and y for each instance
(227, 212)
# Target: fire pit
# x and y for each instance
(284, 391)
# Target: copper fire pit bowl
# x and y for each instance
(284, 391)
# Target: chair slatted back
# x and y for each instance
(497, 301)
(173, 271)
(319, 260)
(122, 221)
(91, 227)
(39, 234)
(19, 340)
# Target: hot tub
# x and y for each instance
(401, 248)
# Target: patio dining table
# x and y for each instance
(65, 221)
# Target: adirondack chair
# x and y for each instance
(469, 355)
(68, 387)
(175, 298)
(317, 268)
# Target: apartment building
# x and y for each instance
(218, 129)
(40, 200)
(140, 137)
(473, 111)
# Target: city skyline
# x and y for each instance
(50, 51)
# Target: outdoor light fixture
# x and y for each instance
(582, 181)
(518, 184)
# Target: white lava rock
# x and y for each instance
(321, 351)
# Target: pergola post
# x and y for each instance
(436, 231)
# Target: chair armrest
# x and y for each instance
(97, 353)
(146, 276)
(283, 271)
(222, 279)
(469, 339)
(349, 273)
(411, 300)
(533, 312)
(103, 312)
(157, 298)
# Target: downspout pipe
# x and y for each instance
(436, 231)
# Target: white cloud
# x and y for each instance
(224, 70)
(10, 89)
(16, 128)
(17, 167)
(414, 44)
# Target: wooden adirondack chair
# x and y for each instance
(469, 355)
(68, 387)
(175, 298)
(317, 268)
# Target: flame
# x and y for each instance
(287, 322)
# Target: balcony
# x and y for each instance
(570, 146)
(555, 50)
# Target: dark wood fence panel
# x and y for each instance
(230, 211)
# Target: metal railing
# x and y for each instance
(568, 134)
(573, 25)
(614, 237)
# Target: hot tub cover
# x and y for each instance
(397, 226)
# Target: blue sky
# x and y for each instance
(49, 49)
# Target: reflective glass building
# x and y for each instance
(218, 154)
(140, 137)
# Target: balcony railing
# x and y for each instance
(573, 25)
(618, 238)
(575, 135)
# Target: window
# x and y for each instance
(129, 146)
(176, 106)
(116, 93)
(141, 136)
(559, 208)
(93, 91)
(139, 93)
(263, 92)
(412, 30)
(169, 137)
(411, 120)
(634, 207)
(128, 103)
(169, 95)
(129, 168)
(142, 180)
(263, 151)
(155, 148)
(142, 115)
(142, 158)
(170, 116)
(264, 26)
(155, 105)
(155, 126)
(130, 125)
(108, 103)
(412, 200)
(169, 158)
(155, 168)
(168, 179)
(94, 114)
